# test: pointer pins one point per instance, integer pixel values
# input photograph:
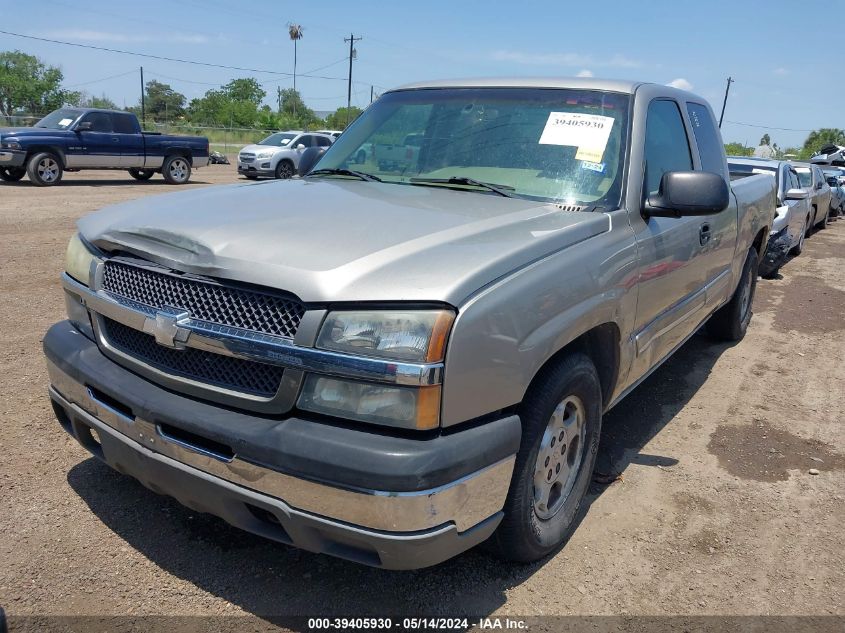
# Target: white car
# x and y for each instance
(277, 156)
(333, 133)
(793, 216)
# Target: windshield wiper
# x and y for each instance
(502, 190)
(345, 172)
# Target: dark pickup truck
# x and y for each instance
(71, 139)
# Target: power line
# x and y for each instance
(94, 81)
(166, 59)
(768, 127)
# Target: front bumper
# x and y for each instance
(257, 168)
(12, 158)
(392, 502)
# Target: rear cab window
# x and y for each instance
(707, 138)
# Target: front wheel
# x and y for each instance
(176, 170)
(12, 174)
(824, 221)
(44, 169)
(730, 322)
(561, 423)
(799, 247)
(284, 169)
(141, 174)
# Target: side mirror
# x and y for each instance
(797, 194)
(685, 193)
(300, 146)
(309, 158)
(85, 126)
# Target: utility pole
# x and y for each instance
(143, 100)
(371, 95)
(725, 102)
(352, 39)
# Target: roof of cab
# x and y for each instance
(585, 83)
(754, 161)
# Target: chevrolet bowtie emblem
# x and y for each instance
(167, 327)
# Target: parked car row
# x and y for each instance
(807, 196)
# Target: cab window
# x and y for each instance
(666, 145)
(708, 140)
(100, 121)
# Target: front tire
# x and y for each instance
(44, 169)
(730, 322)
(561, 422)
(12, 174)
(824, 221)
(284, 170)
(176, 170)
(141, 174)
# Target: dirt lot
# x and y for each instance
(715, 510)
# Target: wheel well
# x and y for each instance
(184, 153)
(36, 149)
(758, 241)
(601, 345)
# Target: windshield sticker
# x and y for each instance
(65, 122)
(599, 167)
(588, 132)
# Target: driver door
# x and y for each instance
(99, 146)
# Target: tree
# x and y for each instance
(337, 119)
(766, 140)
(295, 32)
(246, 89)
(738, 149)
(819, 138)
(97, 102)
(163, 102)
(235, 104)
(27, 84)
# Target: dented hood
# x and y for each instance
(332, 240)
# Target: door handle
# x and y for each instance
(704, 234)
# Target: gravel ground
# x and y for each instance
(715, 509)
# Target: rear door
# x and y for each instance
(99, 146)
(129, 139)
(718, 232)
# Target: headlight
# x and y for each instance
(404, 407)
(265, 154)
(78, 260)
(10, 145)
(408, 335)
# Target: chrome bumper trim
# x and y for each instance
(246, 344)
(464, 502)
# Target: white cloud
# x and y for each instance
(680, 83)
(585, 73)
(780, 71)
(87, 35)
(562, 59)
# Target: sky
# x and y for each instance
(780, 87)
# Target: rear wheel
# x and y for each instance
(730, 322)
(141, 174)
(176, 170)
(12, 174)
(561, 421)
(284, 169)
(44, 169)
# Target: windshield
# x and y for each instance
(805, 177)
(544, 144)
(60, 119)
(278, 140)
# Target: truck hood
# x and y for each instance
(330, 239)
(19, 132)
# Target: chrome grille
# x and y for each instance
(207, 301)
(247, 158)
(223, 371)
